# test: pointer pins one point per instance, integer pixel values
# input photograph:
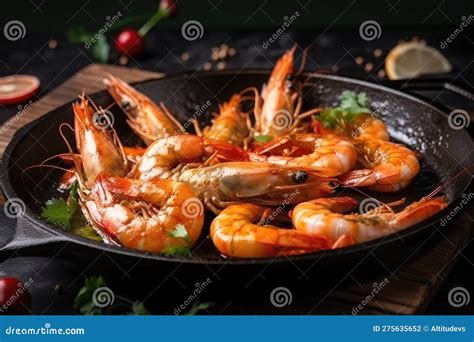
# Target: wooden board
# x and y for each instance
(408, 290)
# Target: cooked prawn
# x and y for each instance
(149, 121)
(331, 154)
(389, 166)
(281, 112)
(166, 156)
(98, 145)
(236, 233)
(231, 124)
(141, 215)
(221, 185)
(324, 217)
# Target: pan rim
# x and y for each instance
(33, 218)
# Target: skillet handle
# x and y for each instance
(19, 234)
(455, 87)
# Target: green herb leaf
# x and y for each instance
(139, 309)
(101, 50)
(198, 307)
(177, 250)
(83, 300)
(263, 138)
(179, 232)
(78, 34)
(58, 212)
(351, 106)
(86, 232)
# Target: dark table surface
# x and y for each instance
(335, 51)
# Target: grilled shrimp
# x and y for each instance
(142, 215)
(221, 185)
(236, 233)
(330, 154)
(98, 145)
(166, 156)
(324, 217)
(149, 121)
(389, 166)
(281, 113)
(231, 124)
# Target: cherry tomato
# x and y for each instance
(17, 88)
(128, 41)
(14, 297)
(169, 5)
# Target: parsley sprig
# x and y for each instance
(63, 212)
(85, 304)
(59, 211)
(351, 106)
(179, 232)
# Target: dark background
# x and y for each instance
(51, 16)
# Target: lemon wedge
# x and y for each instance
(412, 59)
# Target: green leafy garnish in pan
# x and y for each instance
(64, 213)
(351, 106)
(59, 211)
(179, 232)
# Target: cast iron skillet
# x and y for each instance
(443, 152)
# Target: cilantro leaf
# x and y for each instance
(58, 212)
(179, 232)
(177, 250)
(83, 300)
(351, 106)
(263, 138)
(87, 232)
(85, 304)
